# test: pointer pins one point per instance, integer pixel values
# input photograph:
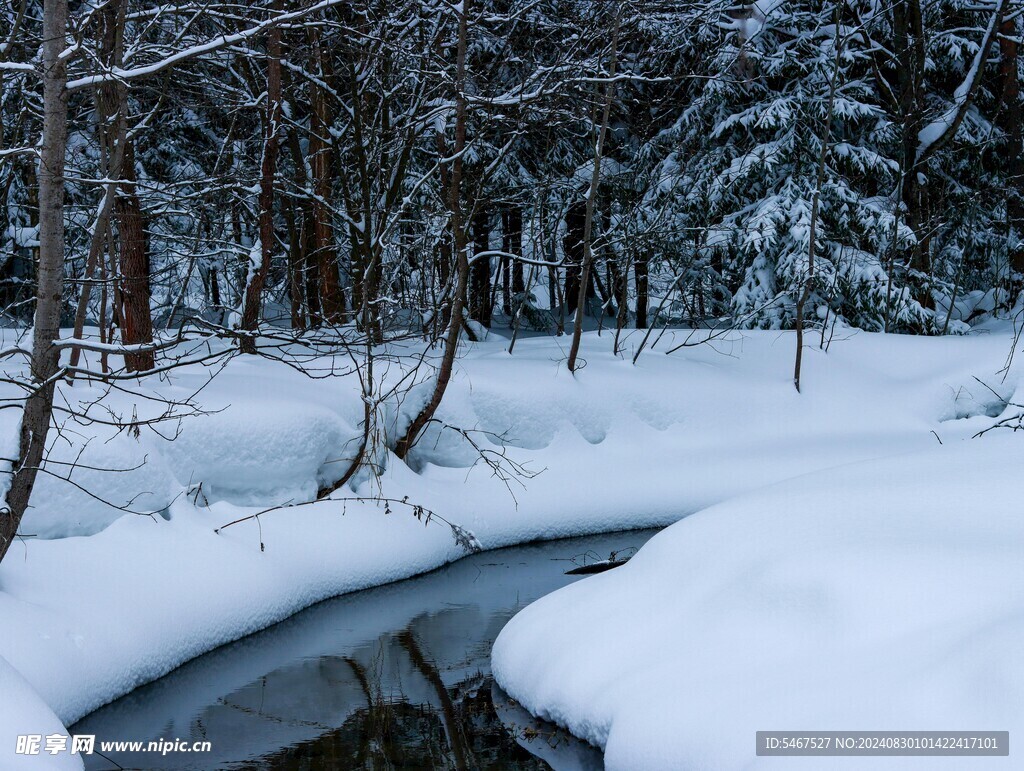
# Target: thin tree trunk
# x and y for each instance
(515, 246)
(460, 244)
(1011, 105)
(595, 179)
(572, 248)
(45, 361)
(311, 276)
(137, 320)
(909, 51)
(293, 214)
(640, 271)
(136, 317)
(819, 180)
(258, 273)
(305, 299)
(112, 154)
(480, 271)
(321, 162)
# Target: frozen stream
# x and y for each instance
(393, 677)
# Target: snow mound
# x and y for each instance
(92, 483)
(22, 712)
(261, 452)
(977, 398)
(884, 595)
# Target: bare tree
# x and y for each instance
(44, 364)
(824, 136)
(595, 181)
(459, 243)
(260, 265)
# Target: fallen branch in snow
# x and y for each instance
(463, 537)
(1014, 423)
(600, 565)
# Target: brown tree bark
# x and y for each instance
(258, 273)
(459, 242)
(132, 246)
(588, 225)
(45, 359)
(321, 163)
(136, 319)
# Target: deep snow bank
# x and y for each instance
(87, 619)
(883, 595)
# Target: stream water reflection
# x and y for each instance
(396, 677)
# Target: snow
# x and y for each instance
(228, 451)
(23, 713)
(881, 595)
(87, 618)
(126, 475)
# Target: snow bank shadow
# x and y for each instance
(532, 424)
(259, 453)
(976, 399)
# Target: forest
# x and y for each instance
(306, 165)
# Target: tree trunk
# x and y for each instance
(321, 163)
(298, 222)
(459, 242)
(45, 361)
(480, 272)
(311, 276)
(258, 273)
(640, 270)
(572, 248)
(514, 224)
(136, 318)
(112, 151)
(1011, 109)
(823, 139)
(909, 50)
(294, 222)
(588, 225)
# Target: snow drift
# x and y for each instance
(880, 596)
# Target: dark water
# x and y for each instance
(391, 678)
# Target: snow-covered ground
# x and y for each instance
(23, 713)
(111, 600)
(885, 595)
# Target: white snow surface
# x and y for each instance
(88, 618)
(886, 595)
(23, 713)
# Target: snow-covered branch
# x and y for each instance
(942, 129)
